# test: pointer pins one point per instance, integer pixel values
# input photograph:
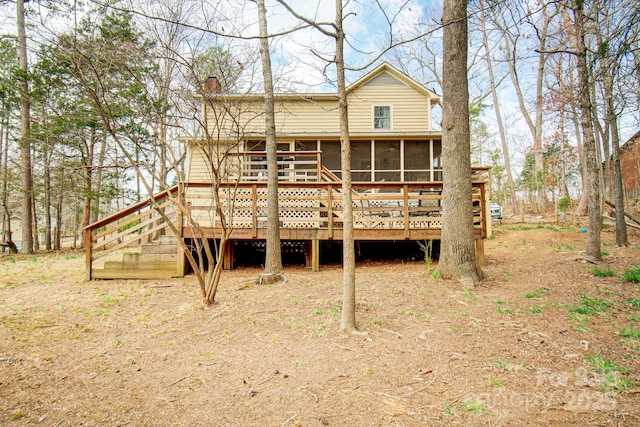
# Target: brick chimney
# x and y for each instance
(212, 86)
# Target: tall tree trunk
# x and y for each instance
(35, 234)
(273, 259)
(4, 142)
(348, 319)
(584, 98)
(458, 255)
(47, 196)
(534, 127)
(25, 144)
(496, 106)
(95, 210)
(612, 169)
(618, 187)
(88, 184)
(57, 235)
(581, 209)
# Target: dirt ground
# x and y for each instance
(541, 342)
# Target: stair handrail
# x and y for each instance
(133, 208)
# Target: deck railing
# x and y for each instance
(318, 205)
(293, 166)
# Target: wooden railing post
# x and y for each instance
(88, 242)
(254, 210)
(330, 210)
(405, 211)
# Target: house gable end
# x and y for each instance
(385, 79)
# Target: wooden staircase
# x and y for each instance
(153, 260)
(136, 243)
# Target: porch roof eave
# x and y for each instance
(353, 135)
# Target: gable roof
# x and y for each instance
(395, 73)
(377, 74)
(633, 140)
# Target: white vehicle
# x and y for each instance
(496, 212)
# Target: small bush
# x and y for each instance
(608, 272)
(612, 374)
(630, 332)
(631, 275)
(564, 204)
(591, 306)
(538, 293)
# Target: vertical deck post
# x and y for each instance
(180, 254)
(315, 255)
(405, 210)
(480, 251)
(318, 165)
(254, 208)
(330, 209)
(88, 243)
(227, 261)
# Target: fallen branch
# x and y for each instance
(288, 419)
(628, 215)
(181, 379)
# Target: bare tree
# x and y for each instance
(458, 256)
(612, 26)
(335, 30)
(513, 38)
(496, 107)
(25, 142)
(273, 258)
(584, 98)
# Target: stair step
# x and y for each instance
(119, 273)
(146, 258)
(156, 248)
(157, 265)
(167, 240)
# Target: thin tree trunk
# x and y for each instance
(25, 145)
(618, 187)
(595, 220)
(35, 234)
(458, 255)
(581, 209)
(4, 144)
(273, 259)
(534, 127)
(496, 106)
(348, 318)
(47, 196)
(88, 184)
(95, 210)
(57, 236)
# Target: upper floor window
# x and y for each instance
(381, 117)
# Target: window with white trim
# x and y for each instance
(382, 117)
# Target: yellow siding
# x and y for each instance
(410, 112)
(199, 168)
(409, 108)
(307, 117)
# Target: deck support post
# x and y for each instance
(480, 251)
(180, 256)
(180, 260)
(88, 243)
(227, 261)
(315, 255)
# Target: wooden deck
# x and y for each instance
(125, 245)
